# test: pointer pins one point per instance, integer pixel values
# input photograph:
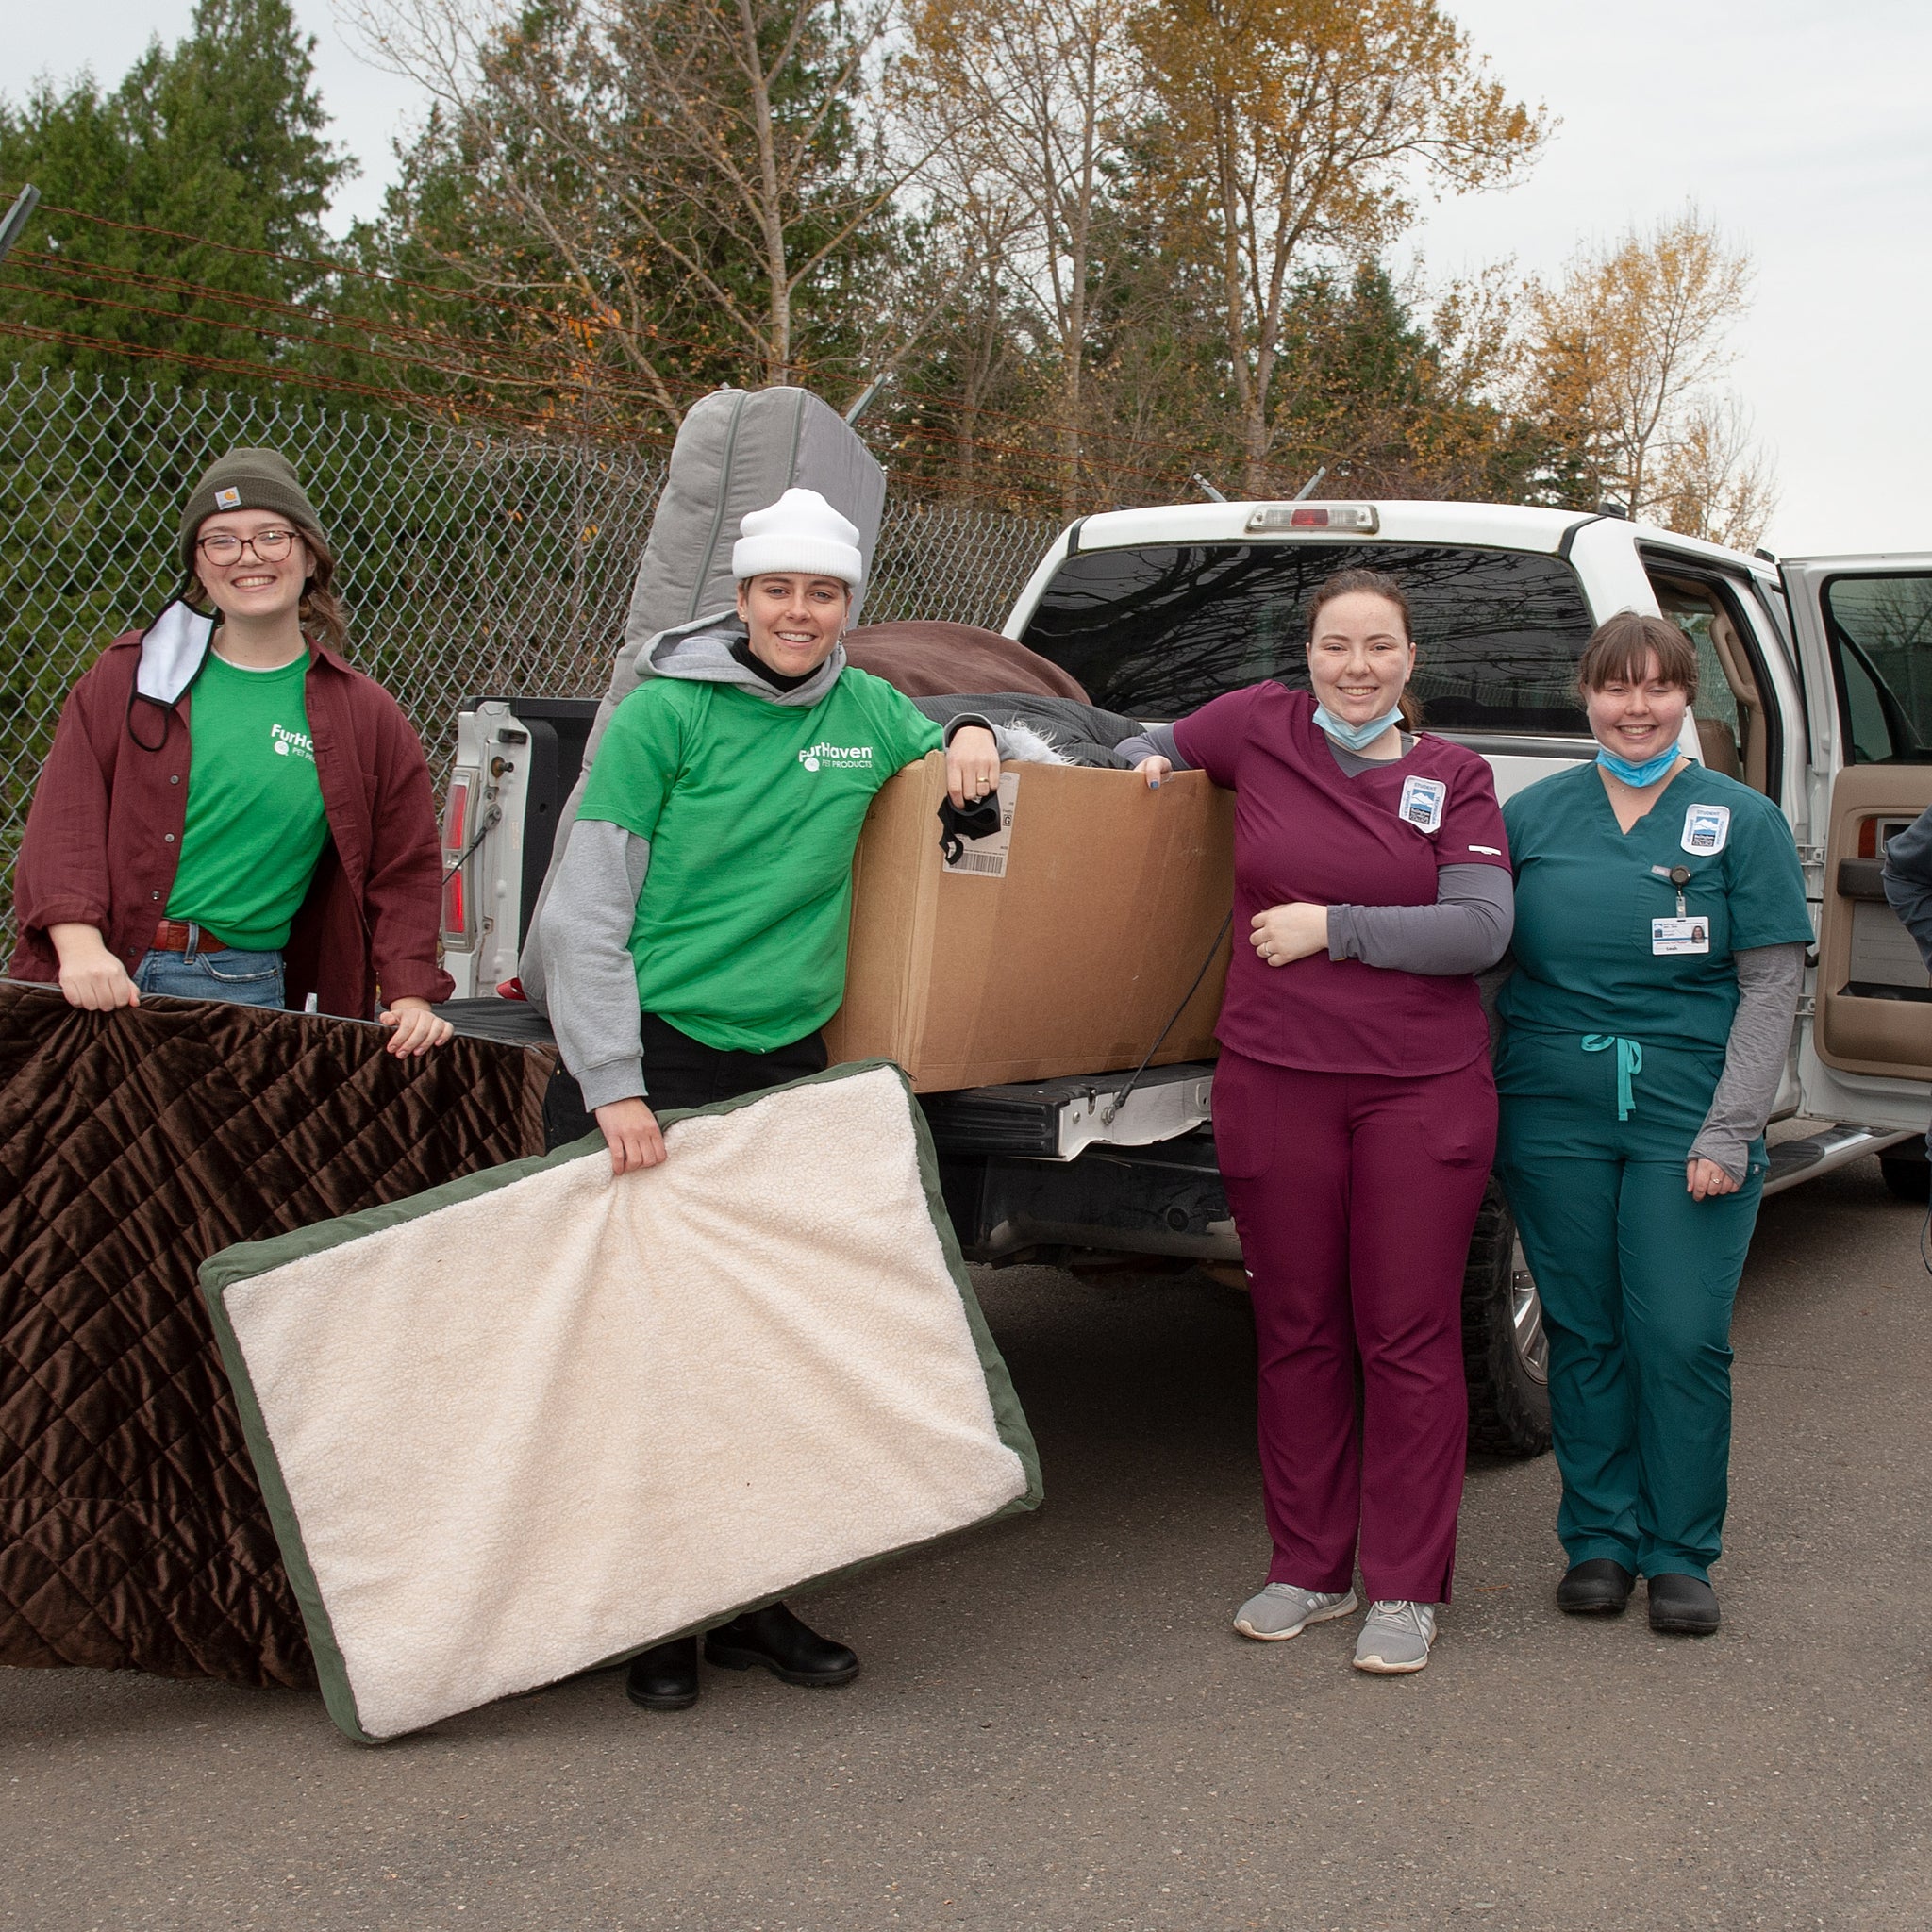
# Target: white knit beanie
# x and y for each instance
(800, 532)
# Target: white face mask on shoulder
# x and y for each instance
(172, 651)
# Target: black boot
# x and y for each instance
(1599, 1588)
(1682, 1605)
(791, 1651)
(665, 1677)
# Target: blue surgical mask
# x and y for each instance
(1638, 775)
(1355, 737)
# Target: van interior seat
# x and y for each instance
(1719, 744)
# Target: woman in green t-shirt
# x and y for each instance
(693, 939)
(230, 811)
(1660, 948)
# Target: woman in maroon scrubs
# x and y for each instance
(1354, 1110)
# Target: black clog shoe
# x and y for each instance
(1682, 1605)
(1599, 1588)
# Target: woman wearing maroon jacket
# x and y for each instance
(1354, 1110)
(284, 847)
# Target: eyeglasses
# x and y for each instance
(270, 546)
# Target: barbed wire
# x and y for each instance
(485, 361)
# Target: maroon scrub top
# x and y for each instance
(1306, 831)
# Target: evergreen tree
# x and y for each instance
(218, 140)
(1370, 393)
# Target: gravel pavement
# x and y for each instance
(1057, 1728)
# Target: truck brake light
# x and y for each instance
(1358, 519)
(458, 929)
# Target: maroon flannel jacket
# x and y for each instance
(104, 836)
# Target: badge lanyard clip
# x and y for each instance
(1679, 875)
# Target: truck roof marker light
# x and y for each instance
(1356, 519)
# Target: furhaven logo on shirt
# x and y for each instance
(292, 743)
(840, 758)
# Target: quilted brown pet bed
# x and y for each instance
(133, 1145)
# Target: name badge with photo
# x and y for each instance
(1705, 829)
(1691, 935)
(1423, 800)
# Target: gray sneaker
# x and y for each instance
(1284, 1609)
(1396, 1638)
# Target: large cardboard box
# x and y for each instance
(1062, 944)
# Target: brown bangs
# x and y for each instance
(1621, 648)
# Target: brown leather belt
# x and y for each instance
(172, 936)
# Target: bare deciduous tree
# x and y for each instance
(1626, 357)
(1029, 102)
(719, 149)
(1718, 481)
(1314, 123)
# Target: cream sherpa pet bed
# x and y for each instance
(539, 1419)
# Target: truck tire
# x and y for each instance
(1907, 1175)
(1504, 1352)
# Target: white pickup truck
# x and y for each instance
(1816, 690)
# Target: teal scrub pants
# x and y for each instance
(1637, 1280)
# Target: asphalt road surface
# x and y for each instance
(1057, 1729)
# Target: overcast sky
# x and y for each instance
(1803, 130)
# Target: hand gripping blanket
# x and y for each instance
(539, 1419)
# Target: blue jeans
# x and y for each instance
(243, 980)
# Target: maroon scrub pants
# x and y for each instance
(1355, 1195)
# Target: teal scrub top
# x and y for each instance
(1585, 894)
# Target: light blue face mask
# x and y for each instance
(1355, 737)
(1637, 776)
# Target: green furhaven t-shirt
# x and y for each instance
(753, 810)
(256, 822)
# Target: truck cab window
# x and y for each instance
(1880, 629)
(1734, 730)
(1156, 631)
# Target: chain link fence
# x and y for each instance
(469, 563)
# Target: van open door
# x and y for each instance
(1864, 629)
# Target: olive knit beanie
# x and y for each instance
(245, 479)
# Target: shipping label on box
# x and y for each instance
(987, 855)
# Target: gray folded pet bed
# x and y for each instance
(539, 1419)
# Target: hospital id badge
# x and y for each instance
(1423, 800)
(1705, 829)
(1690, 935)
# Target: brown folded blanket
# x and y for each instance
(133, 1145)
(931, 661)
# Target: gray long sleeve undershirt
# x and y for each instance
(592, 981)
(1466, 930)
(1769, 981)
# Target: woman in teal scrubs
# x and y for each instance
(1659, 946)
